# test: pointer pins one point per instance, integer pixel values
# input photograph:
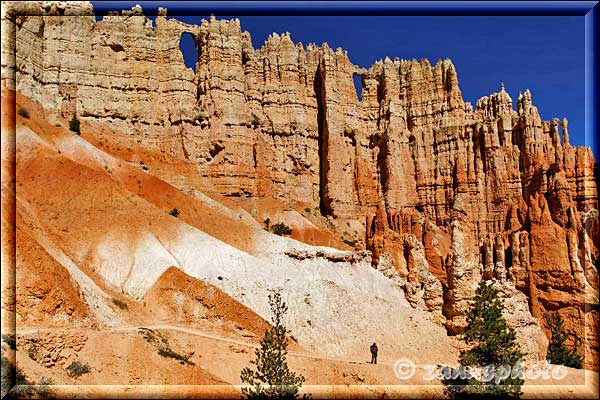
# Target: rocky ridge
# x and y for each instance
(447, 194)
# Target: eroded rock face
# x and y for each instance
(448, 194)
(553, 265)
(518, 318)
(284, 120)
(464, 275)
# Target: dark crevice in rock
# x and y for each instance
(117, 47)
(319, 87)
(383, 166)
(215, 149)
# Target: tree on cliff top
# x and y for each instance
(272, 378)
(494, 351)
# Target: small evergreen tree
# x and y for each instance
(74, 124)
(494, 350)
(558, 352)
(272, 378)
(174, 212)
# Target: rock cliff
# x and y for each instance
(442, 193)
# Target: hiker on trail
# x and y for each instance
(374, 353)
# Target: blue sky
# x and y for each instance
(543, 54)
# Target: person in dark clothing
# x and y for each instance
(374, 353)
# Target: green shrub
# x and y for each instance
(23, 112)
(76, 369)
(281, 229)
(558, 352)
(153, 337)
(350, 243)
(168, 353)
(174, 212)
(120, 304)
(74, 125)
(308, 210)
(156, 339)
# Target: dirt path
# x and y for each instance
(195, 332)
(227, 367)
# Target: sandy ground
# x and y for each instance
(123, 357)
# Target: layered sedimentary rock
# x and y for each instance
(445, 192)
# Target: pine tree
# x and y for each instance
(273, 378)
(558, 352)
(74, 125)
(494, 350)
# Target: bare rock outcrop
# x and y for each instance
(548, 262)
(448, 194)
(397, 248)
(463, 274)
(528, 329)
